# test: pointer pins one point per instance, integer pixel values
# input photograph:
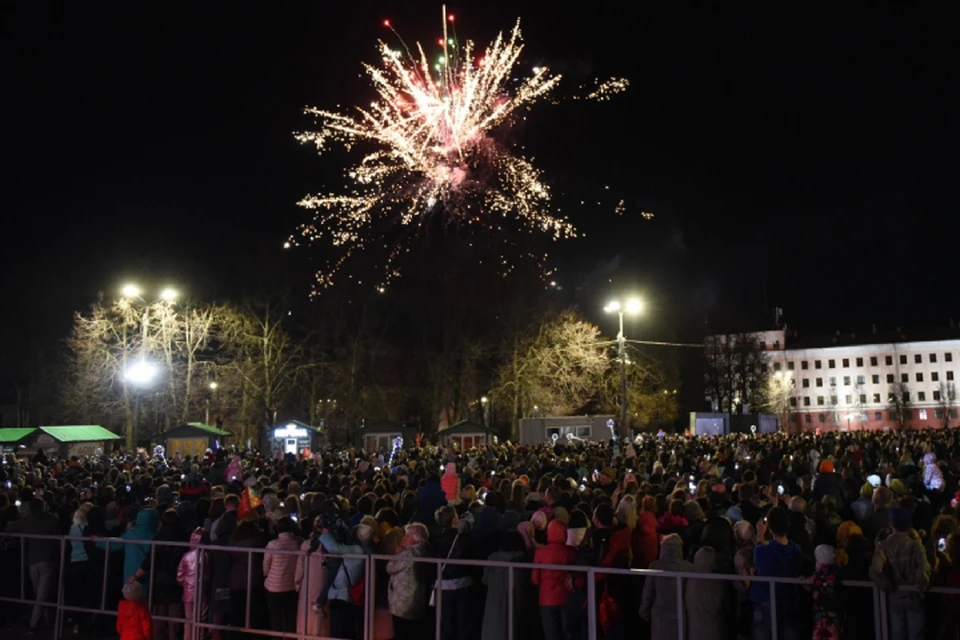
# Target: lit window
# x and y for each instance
(876, 397)
(846, 381)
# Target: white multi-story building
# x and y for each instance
(851, 382)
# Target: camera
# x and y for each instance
(780, 490)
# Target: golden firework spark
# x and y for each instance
(432, 137)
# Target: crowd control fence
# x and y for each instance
(198, 620)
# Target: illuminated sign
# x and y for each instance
(290, 431)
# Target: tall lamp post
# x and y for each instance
(632, 306)
(140, 374)
(206, 415)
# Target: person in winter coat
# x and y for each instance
(645, 541)
(779, 557)
(932, 476)
(658, 604)
(707, 602)
(406, 594)
(311, 580)
(192, 584)
(461, 607)
(827, 483)
(552, 583)
(133, 618)
(279, 571)
(246, 536)
(575, 612)
(167, 594)
(235, 470)
(430, 498)
(497, 582)
(144, 529)
(344, 614)
(902, 560)
(450, 483)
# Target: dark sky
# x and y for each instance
(805, 159)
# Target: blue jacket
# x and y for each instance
(144, 529)
(431, 498)
(351, 570)
(777, 560)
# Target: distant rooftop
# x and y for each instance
(796, 340)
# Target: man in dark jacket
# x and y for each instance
(827, 483)
(460, 608)
(42, 556)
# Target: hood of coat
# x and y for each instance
(557, 532)
(705, 560)
(450, 469)
(671, 548)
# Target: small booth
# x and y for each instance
(14, 438)
(76, 440)
(383, 433)
(294, 436)
(586, 428)
(193, 439)
(466, 434)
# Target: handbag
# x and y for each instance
(436, 584)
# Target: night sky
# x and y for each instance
(801, 159)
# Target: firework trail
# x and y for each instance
(433, 134)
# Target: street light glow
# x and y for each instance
(140, 373)
(484, 400)
(612, 307)
(634, 305)
(213, 386)
(169, 294)
(130, 291)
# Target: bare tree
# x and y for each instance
(736, 372)
(651, 391)
(946, 401)
(898, 403)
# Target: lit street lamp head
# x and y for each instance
(213, 386)
(634, 306)
(130, 291)
(169, 294)
(612, 307)
(140, 373)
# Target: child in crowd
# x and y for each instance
(188, 577)
(133, 617)
(825, 585)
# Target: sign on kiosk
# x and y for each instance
(290, 431)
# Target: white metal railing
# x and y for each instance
(113, 546)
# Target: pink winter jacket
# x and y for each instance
(187, 575)
(280, 570)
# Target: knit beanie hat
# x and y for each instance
(824, 554)
(900, 519)
(866, 491)
(826, 467)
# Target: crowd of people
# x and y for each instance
(289, 535)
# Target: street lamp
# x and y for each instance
(130, 291)
(485, 403)
(206, 417)
(633, 306)
(169, 294)
(140, 374)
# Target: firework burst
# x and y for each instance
(435, 148)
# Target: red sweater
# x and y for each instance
(134, 621)
(553, 591)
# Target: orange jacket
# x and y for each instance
(134, 621)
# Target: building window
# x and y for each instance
(863, 398)
(794, 418)
(832, 364)
(878, 416)
(776, 345)
(860, 362)
(953, 413)
(806, 401)
(848, 399)
(790, 365)
(889, 378)
(904, 377)
(861, 379)
(950, 375)
(805, 383)
(948, 357)
(919, 376)
(846, 381)
(833, 381)
(935, 376)
(917, 358)
(763, 346)
(818, 364)
(921, 396)
(933, 357)
(793, 402)
(876, 397)
(938, 414)
(822, 417)
(819, 401)
(776, 366)
(875, 379)
(936, 394)
(846, 362)
(806, 418)
(906, 396)
(888, 360)
(833, 401)
(804, 365)
(903, 358)
(819, 382)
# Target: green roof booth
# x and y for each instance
(466, 434)
(294, 436)
(193, 439)
(72, 440)
(13, 438)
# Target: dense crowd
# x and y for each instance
(831, 509)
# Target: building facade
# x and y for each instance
(872, 382)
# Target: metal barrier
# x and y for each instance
(194, 618)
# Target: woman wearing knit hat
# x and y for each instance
(659, 601)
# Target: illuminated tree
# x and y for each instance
(898, 404)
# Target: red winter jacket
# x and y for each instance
(645, 541)
(553, 591)
(134, 621)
